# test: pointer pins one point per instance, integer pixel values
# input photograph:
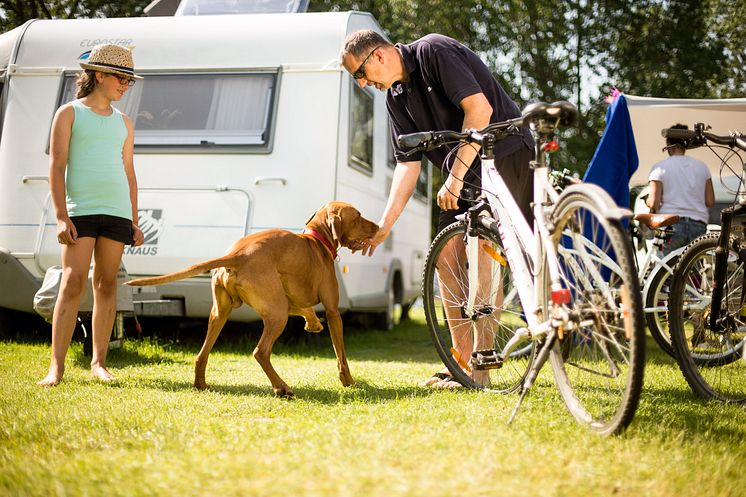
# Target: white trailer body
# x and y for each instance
(243, 123)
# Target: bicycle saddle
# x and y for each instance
(657, 221)
(563, 110)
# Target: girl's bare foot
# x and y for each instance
(100, 373)
(52, 378)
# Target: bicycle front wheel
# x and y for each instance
(598, 361)
(497, 310)
(712, 361)
(656, 306)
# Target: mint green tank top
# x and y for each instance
(95, 180)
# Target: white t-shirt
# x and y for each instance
(683, 179)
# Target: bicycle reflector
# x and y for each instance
(550, 147)
(561, 296)
(494, 254)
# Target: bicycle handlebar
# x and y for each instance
(544, 115)
(679, 134)
(698, 136)
(429, 140)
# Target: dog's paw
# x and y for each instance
(200, 384)
(346, 380)
(313, 325)
(284, 393)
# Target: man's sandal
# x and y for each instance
(439, 376)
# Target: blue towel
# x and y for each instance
(615, 159)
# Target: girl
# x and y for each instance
(94, 192)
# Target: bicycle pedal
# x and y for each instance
(485, 359)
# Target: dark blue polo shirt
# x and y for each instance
(442, 72)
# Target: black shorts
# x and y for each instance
(113, 227)
(518, 177)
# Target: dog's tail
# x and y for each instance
(225, 261)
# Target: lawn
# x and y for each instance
(151, 433)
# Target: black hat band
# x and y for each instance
(128, 70)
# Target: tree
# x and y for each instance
(726, 21)
(531, 46)
(664, 49)
(15, 12)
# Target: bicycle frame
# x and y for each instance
(517, 236)
(721, 259)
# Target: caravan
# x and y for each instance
(243, 122)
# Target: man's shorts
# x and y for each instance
(518, 177)
(115, 228)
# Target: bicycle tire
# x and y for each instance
(656, 307)
(713, 363)
(599, 363)
(444, 291)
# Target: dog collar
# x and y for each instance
(324, 240)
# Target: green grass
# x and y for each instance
(150, 433)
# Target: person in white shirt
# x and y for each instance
(681, 185)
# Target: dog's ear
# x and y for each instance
(314, 214)
(335, 224)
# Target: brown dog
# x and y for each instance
(280, 273)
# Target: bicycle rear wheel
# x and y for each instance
(712, 362)
(598, 363)
(498, 310)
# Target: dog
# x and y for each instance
(280, 273)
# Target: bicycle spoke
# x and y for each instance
(712, 361)
(598, 366)
(497, 310)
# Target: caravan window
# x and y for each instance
(198, 109)
(361, 129)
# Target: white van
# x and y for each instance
(243, 122)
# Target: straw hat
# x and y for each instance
(108, 58)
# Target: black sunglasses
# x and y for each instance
(360, 73)
(124, 80)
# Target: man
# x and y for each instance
(436, 83)
(681, 185)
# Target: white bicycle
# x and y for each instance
(501, 298)
(655, 271)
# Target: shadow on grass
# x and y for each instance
(361, 392)
(120, 358)
(655, 355)
(681, 408)
(408, 341)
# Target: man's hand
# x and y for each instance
(449, 193)
(369, 246)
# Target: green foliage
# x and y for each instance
(664, 49)
(15, 12)
(727, 27)
(577, 50)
